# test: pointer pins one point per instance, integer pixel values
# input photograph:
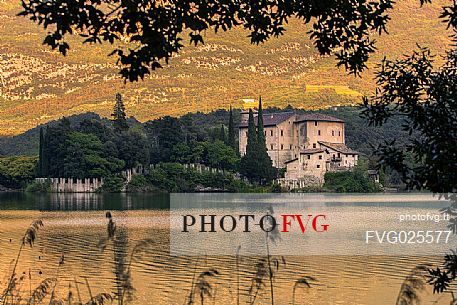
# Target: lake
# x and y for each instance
(74, 247)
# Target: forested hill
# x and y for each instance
(359, 136)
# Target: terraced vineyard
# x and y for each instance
(38, 85)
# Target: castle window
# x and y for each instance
(271, 132)
(282, 146)
(315, 123)
(290, 146)
(309, 157)
(314, 145)
(271, 146)
(333, 133)
(339, 133)
(318, 166)
(320, 157)
(318, 132)
(282, 132)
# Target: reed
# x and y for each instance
(52, 299)
(190, 297)
(41, 291)
(139, 248)
(123, 268)
(28, 238)
(12, 294)
(412, 285)
(258, 281)
(272, 236)
(203, 286)
(238, 275)
(305, 282)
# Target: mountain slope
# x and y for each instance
(37, 85)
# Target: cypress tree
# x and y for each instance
(260, 129)
(40, 154)
(251, 146)
(44, 154)
(119, 116)
(231, 141)
(266, 171)
(248, 166)
(222, 134)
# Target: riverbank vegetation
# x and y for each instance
(16, 172)
(175, 177)
(355, 181)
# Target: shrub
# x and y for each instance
(356, 181)
(16, 172)
(139, 184)
(112, 184)
(39, 187)
(173, 177)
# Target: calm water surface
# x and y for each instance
(75, 225)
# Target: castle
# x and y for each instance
(307, 146)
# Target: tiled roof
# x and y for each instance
(317, 117)
(311, 151)
(270, 119)
(340, 147)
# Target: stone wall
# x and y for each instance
(90, 185)
(305, 181)
(73, 185)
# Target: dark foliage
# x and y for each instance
(356, 181)
(90, 149)
(173, 177)
(119, 116)
(248, 166)
(231, 137)
(426, 98)
(441, 278)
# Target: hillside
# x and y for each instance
(359, 136)
(38, 85)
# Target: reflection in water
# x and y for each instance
(137, 256)
(83, 201)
